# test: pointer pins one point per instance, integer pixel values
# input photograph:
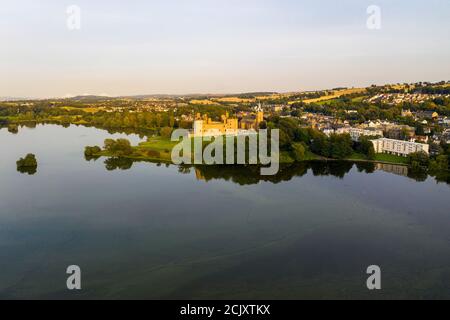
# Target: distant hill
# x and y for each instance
(14, 99)
(197, 95)
(89, 98)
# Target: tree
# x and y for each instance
(320, 145)
(298, 151)
(92, 153)
(440, 164)
(419, 159)
(28, 161)
(365, 146)
(120, 147)
(340, 146)
(27, 164)
(166, 132)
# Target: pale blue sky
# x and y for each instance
(218, 46)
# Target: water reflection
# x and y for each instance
(112, 164)
(250, 174)
(27, 170)
(169, 236)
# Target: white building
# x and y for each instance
(328, 131)
(399, 147)
(356, 133)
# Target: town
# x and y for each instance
(398, 120)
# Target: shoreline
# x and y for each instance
(104, 154)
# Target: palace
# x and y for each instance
(205, 126)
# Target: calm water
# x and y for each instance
(153, 231)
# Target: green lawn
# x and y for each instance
(382, 157)
(357, 156)
(158, 144)
(390, 158)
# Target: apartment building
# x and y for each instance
(399, 147)
(357, 133)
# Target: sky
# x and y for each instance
(217, 46)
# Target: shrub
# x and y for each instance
(120, 147)
(91, 151)
(28, 162)
(166, 132)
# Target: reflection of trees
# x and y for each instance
(91, 157)
(29, 124)
(443, 176)
(418, 174)
(367, 167)
(251, 174)
(118, 163)
(184, 169)
(333, 168)
(245, 175)
(27, 170)
(141, 132)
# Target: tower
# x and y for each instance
(259, 117)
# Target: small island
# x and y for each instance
(27, 164)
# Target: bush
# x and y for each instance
(166, 132)
(91, 151)
(120, 147)
(28, 162)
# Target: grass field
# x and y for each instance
(203, 102)
(333, 95)
(158, 144)
(88, 110)
(390, 158)
(234, 100)
(381, 157)
(357, 156)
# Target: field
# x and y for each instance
(383, 157)
(333, 95)
(158, 144)
(88, 110)
(203, 102)
(234, 100)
